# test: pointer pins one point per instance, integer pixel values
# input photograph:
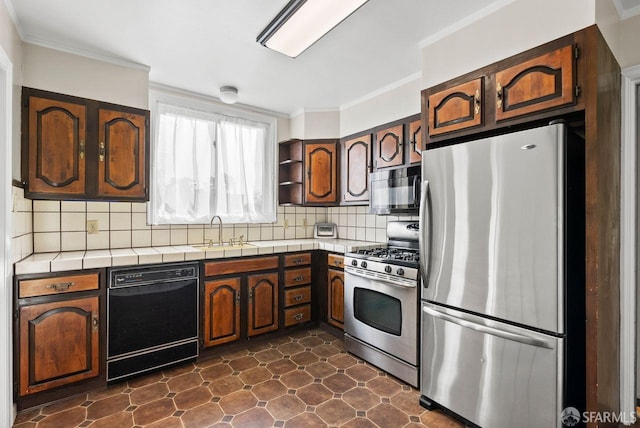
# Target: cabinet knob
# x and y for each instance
(81, 149)
(499, 95)
(94, 321)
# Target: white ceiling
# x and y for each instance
(200, 45)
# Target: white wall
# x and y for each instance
(517, 26)
(396, 101)
(70, 74)
(315, 124)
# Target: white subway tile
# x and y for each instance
(120, 221)
(178, 236)
(139, 207)
(98, 241)
(46, 222)
(46, 206)
(72, 241)
(141, 238)
(160, 237)
(120, 207)
(120, 239)
(195, 236)
(73, 222)
(46, 242)
(98, 207)
(74, 206)
(139, 221)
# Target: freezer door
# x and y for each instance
(490, 373)
(492, 226)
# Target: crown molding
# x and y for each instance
(303, 110)
(625, 13)
(382, 90)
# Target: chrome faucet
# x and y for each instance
(219, 231)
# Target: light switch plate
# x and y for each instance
(92, 227)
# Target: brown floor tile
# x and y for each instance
(202, 416)
(339, 383)
(385, 415)
(237, 402)
(216, 371)
(296, 379)
(325, 351)
(439, 420)
(268, 355)
(119, 420)
(154, 411)
(64, 405)
(320, 369)
(361, 398)
(281, 367)
(178, 370)
(305, 420)
(285, 407)
(145, 380)
(290, 348)
(360, 423)
(25, 425)
(335, 412)
(304, 358)
(257, 347)
(67, 418)
(243, 363)
(184, 382)
(269, 390)
(314, 394)
(342, 361)
(361, 372)
(149, 393)
(107, 392)
(384, 386)
(277, 341)
(209, 361)
(191, 398)
(255, 375)
(254, 418)
(232, 355)
(166, 423)
(26, 416)
(108, 406)
(311, 341)
(225, 386)
(408, 403)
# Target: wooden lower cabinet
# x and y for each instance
(263, 303)
(336, 298)
(221, 311)
(59, 343)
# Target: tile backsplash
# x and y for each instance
(51, 226)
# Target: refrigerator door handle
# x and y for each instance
(504, 333)
(424, 238)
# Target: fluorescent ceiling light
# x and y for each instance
(302, 22)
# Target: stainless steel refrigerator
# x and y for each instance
(502, 264)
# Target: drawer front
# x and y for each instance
(297, 315)
(335, 261)
(301, 259)
(293, 277)
(240, 265)
(296, 296)
(58, 285)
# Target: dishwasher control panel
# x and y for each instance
(152, 274)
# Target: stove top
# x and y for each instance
(400, 256)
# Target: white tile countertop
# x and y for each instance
(76, 260)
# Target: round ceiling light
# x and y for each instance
(228, 94)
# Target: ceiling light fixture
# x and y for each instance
(228, 94)
(302, 22)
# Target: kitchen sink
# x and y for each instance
(206, 247)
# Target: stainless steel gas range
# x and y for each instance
(382, 303)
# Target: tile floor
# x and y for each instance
(302, 380)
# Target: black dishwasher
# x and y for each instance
(152, 318)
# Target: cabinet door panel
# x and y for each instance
(538, 84)
(456, 108)
(59, 344)
(321, 185)
(57, 144)
(336, 298)
(357, 165)
(221, 311)
(390, 147)
(263, 303)
(415, 141)
(122, 154)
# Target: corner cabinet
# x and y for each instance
(538, 84)
(76, 148)
(59, 327)
(308, 172)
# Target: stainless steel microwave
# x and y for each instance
(395, 191)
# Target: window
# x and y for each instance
(207, 163)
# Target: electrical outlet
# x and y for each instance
(286, 223)
(92, 227)
(304, 222)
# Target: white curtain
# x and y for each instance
(207, 164)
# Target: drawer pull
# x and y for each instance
(298, 278)
(61, 286)
(298, 261)
(337, 262)
(298, 317)
(298, 297)
(94, 321)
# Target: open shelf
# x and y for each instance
(290, 172)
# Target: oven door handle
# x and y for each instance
(353, 271)
(424, 237)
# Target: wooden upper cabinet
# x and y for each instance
(56, 146)
(456, 108)
(263, 303)
(58, 344)
(389, 147)
(121, 153)
(321, 164)
(356, 164)
(415, 141)
(77, 148)
(544, 82)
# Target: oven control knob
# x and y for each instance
(363, 264)
(400, 271)
(354, 263)
(387, 269)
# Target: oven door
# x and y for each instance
(382, 314)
